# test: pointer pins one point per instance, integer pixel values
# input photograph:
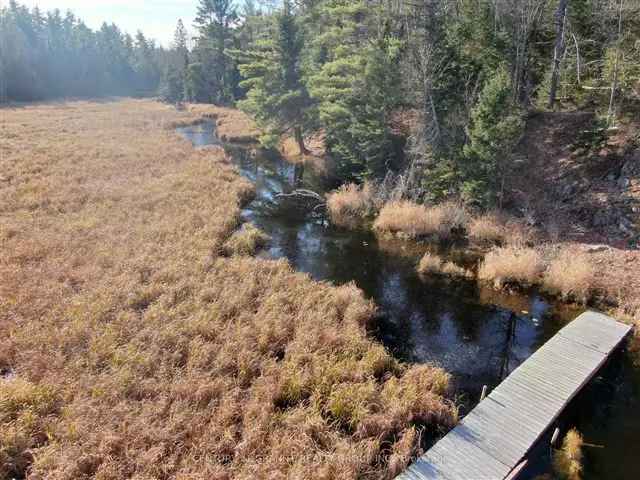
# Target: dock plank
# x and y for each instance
(497, 434)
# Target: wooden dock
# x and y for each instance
(492, 441)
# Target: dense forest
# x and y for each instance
(49, 55)
(437, 89)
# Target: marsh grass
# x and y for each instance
(351, 206)
(567, 461)
(411, 220)
(432, 264)
(246, 241)
(168, 360)
(512, 265)
(571, 275)
(232, 125)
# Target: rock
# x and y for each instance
(596, 248)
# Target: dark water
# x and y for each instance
(475, 333)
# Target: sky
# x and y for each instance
(156, 18)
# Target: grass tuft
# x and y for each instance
(351, 205)
(432, 264)
(567, 461)
(512, 265)
(246, 241)
(441, 222)
(571, 275)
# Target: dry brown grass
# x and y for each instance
(411, 220)
(512, 265)
(571, 275)
(351, 205)
(432, 264)
(487, 229)
(245, 241)
(140, 353)
(567, 461)
(499, 228)
(232, 125)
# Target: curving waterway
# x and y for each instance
(475, 333)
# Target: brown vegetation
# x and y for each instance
(571, 275)
(567, 461)
(232, 125)
(351, 205)
(512, 265)
(411, 220)
(432, 264)
(139, 352)
(245, 241)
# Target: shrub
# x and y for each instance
(570, 275)
(246, 241)
(411, 220)
(351, 205)
(505, 265)
(567, 461)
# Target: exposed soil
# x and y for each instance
(580, 184)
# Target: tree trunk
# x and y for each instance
(614, 82)
(297, 132)
(558, 51)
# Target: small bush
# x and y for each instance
(411, 220)
(245, 241)
(567, 461)
(351, 205)
(570, 275)
(506, 265)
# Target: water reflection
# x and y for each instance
(474, 332)
(478, 335)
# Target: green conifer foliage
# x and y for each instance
(495, 128)
(276, 94)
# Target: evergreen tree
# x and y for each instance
(277, 96)
(215, 19)
(356, 86)
(174, 81)
(495, 127)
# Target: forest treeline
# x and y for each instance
(51, 55)
(436, 88)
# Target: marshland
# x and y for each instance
(297, 239)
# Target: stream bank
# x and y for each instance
(475, 333)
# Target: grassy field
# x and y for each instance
(131, 347)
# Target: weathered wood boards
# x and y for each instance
(496, 435)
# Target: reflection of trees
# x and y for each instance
(504, 355)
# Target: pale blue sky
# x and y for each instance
(156, 18)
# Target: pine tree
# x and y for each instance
(215, 19)
(356, 86)
(496, 125)
(277, 96)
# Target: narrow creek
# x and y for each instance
(475, 333)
